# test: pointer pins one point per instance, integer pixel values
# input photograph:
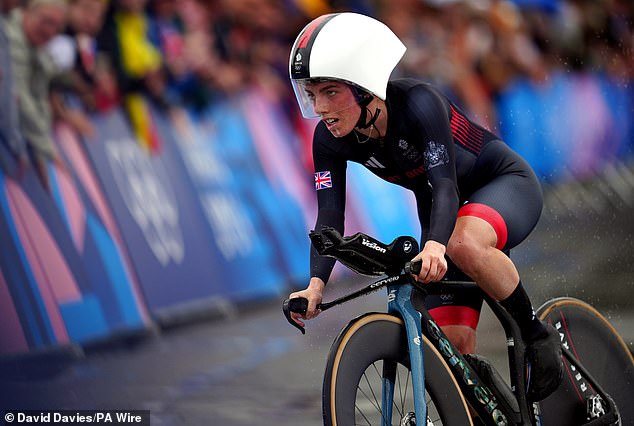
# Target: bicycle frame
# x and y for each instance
(492, 409)
(400, 291)
(481, 397)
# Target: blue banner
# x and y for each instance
(160, 221)
(112, 299)
(575, 125)
(42, 269)
(223, 189)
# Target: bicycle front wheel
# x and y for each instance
(371, 348)
(600, 349)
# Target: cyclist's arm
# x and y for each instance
(331, 199)
(432, 119)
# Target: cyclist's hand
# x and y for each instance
(433, 262)
(313, 293)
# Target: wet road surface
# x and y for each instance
(251, 369)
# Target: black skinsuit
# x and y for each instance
(431, 148)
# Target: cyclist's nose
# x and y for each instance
(321, 105)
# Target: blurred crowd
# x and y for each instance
(62, 60)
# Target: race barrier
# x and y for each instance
(64, 274)
(218, 215)
(571, 125)
(126, 239)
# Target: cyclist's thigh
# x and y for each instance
(511, 201)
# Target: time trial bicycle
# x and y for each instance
(399, 368)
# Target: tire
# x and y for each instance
(595, 343)
(352, 382)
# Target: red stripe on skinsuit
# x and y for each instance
(489, 215)
(455, 315)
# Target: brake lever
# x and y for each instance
(298, 305)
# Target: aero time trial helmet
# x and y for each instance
(349, 47)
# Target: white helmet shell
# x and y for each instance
(345, 46)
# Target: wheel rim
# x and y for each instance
(593, 341)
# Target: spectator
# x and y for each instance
(447, 39)
(10, 136)
(85, 19)
(130, 39)
(28, 31)
(175, 41)
(7, 6)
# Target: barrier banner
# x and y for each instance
(19, 326)
(225, 176)
(160, 221)
(574, 126)
(41, 271)
(274, 144)
(113, 289)
(12, 334)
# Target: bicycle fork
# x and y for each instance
(400, 302)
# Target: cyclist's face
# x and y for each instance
(335, 104)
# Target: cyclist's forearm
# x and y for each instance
(321, 266)
(443, 211)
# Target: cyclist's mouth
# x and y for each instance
(330, 122)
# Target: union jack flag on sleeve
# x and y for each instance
(323, 180)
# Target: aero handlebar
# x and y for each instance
(300, 304)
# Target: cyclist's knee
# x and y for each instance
(464, 250)
(462, 337)
(470, 240)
